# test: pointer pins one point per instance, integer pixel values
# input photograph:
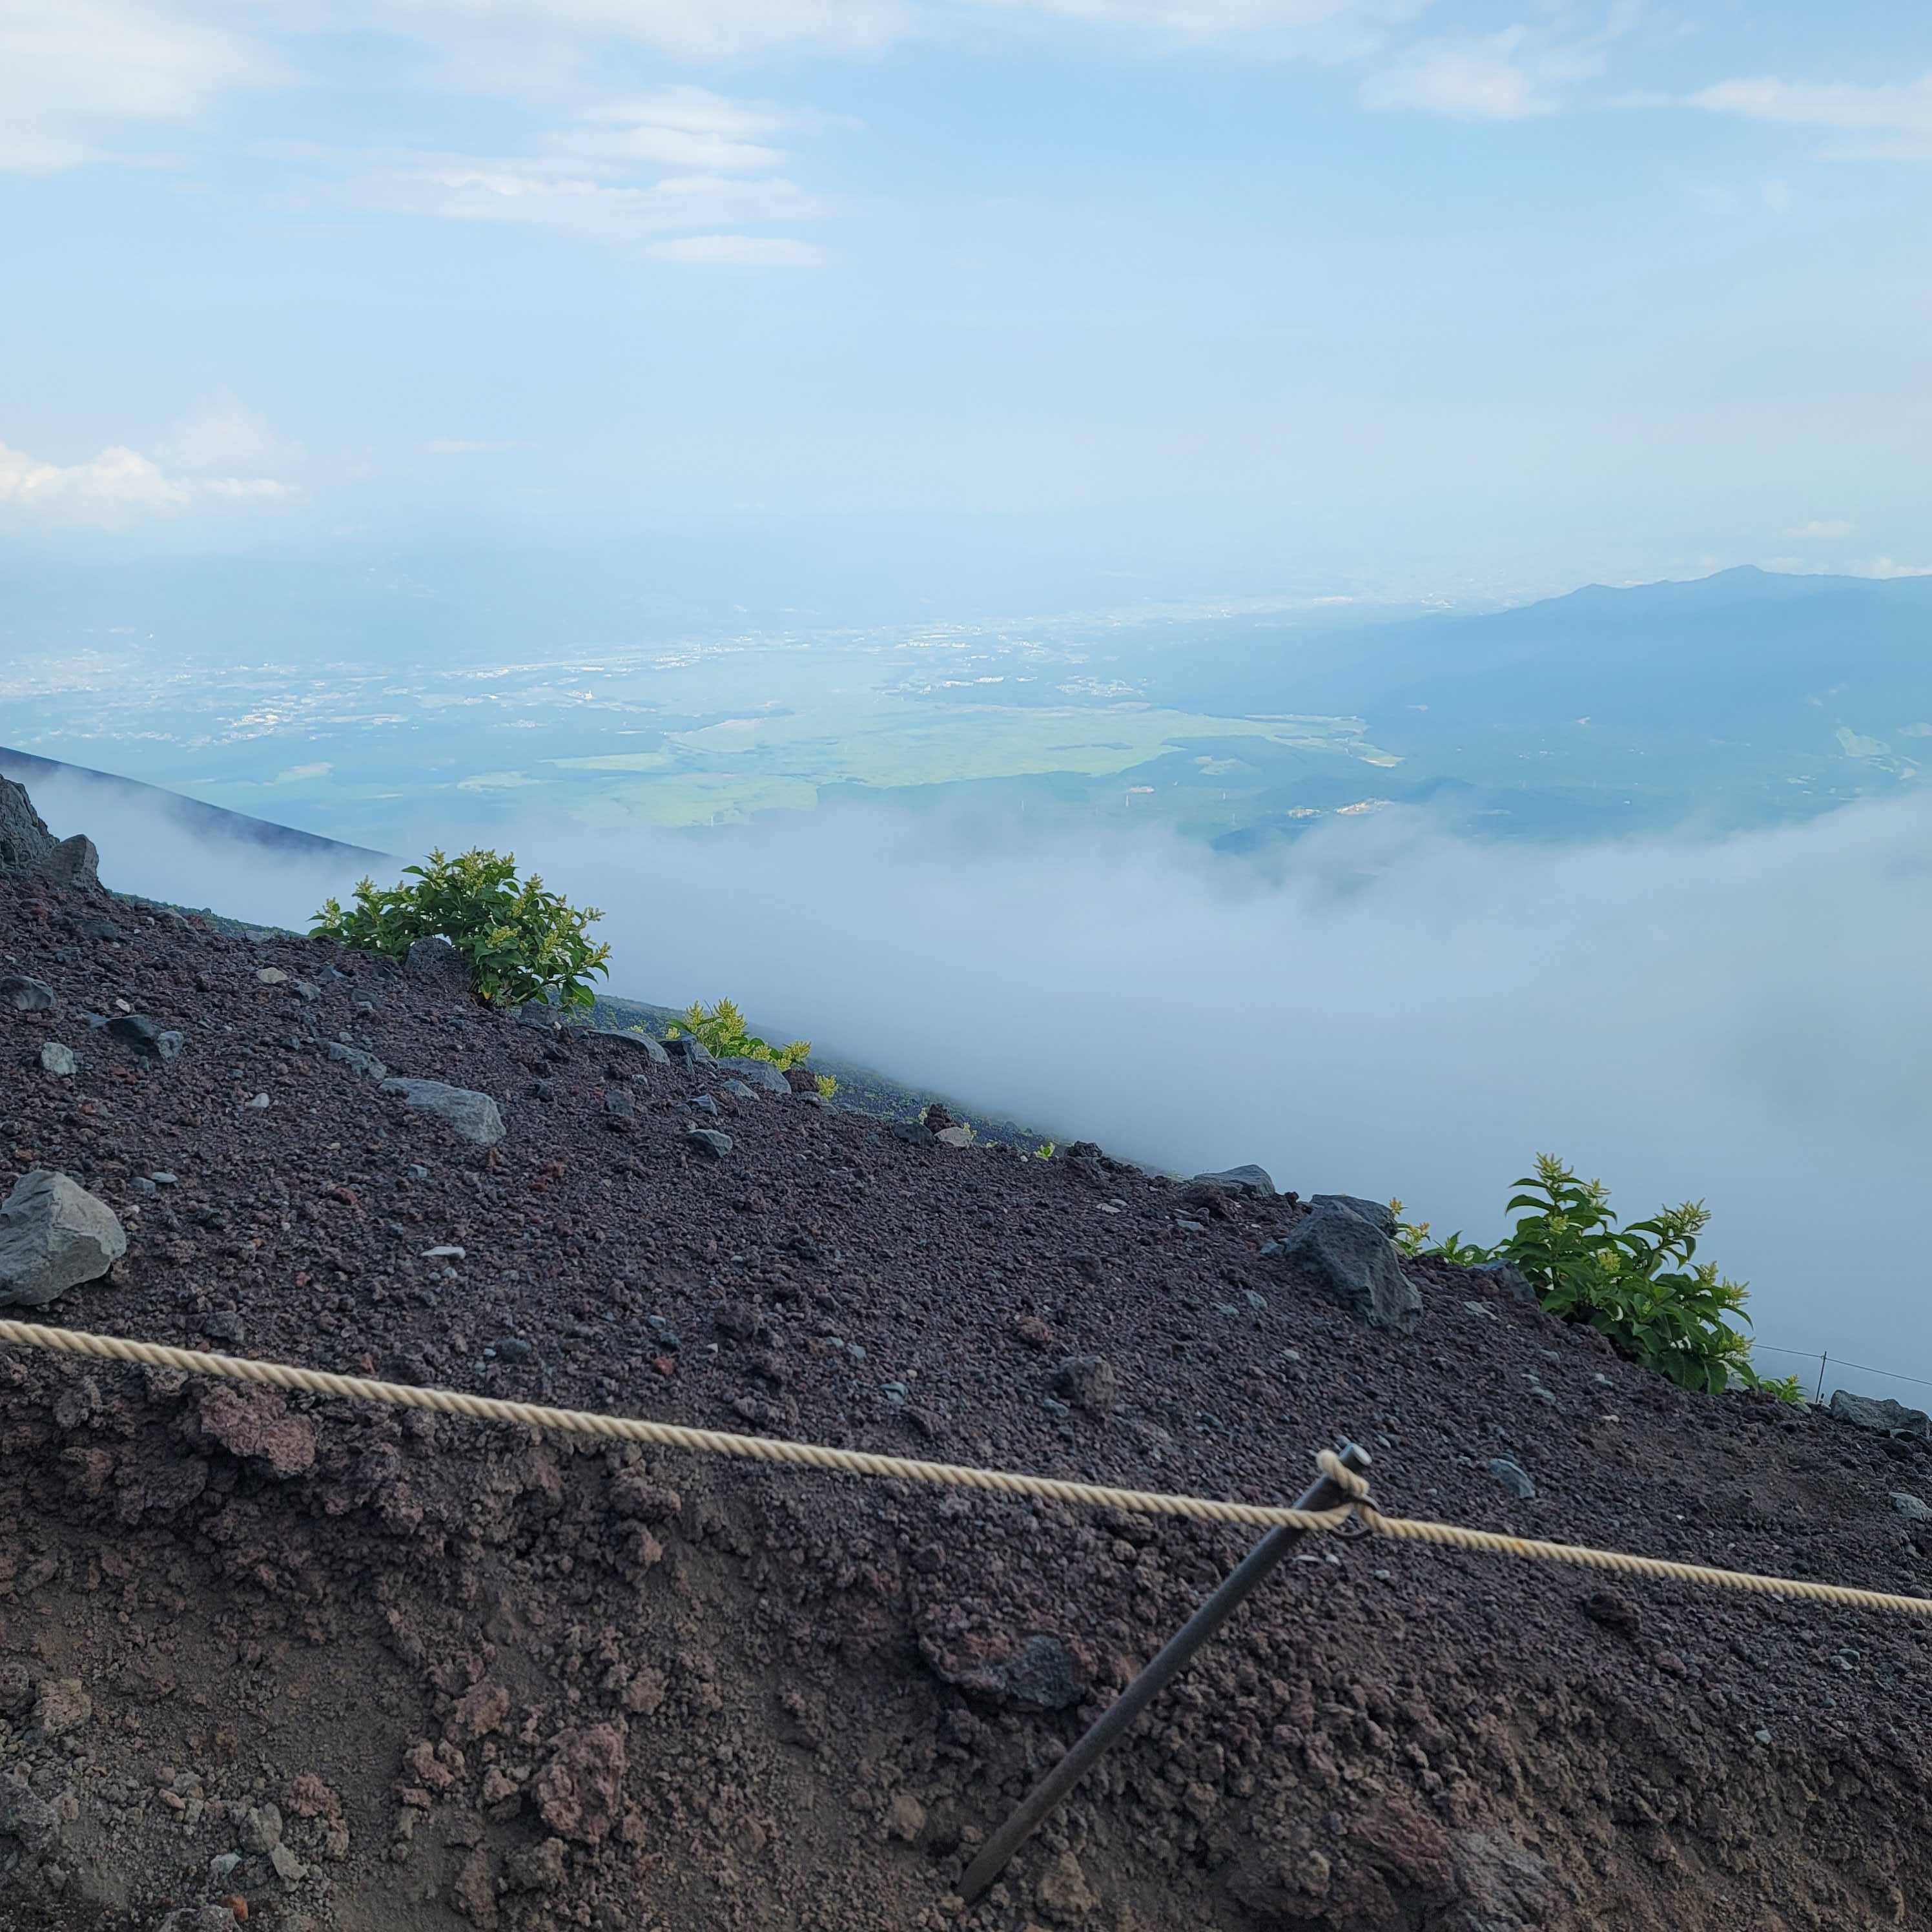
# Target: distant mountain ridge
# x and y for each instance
(191, 815)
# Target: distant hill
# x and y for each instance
(190, 815)
(1746, 697)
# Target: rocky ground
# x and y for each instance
(326, 1667)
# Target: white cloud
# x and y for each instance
(223, 434)
(694, 30)
(1823, 528)
(73, 73)
(1507, 76)
(1886, 567)
(1895, 117)
(752, 251)
(120, 486)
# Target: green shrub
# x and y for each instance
(521, 942)
(1639, 1285)
(721, 1027)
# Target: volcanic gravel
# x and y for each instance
(349, 1668)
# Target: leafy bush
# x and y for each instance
(1639, 1285)
(721, 1027)
(521, 943)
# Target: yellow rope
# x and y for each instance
(1358, 1507)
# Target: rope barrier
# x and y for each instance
(1359, 1510)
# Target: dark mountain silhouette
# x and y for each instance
(190, 815)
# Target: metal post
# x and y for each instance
(1821, 1360)
(1114, 1721)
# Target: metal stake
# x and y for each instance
(1114, 1721)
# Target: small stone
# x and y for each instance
(1256, 1300)
(307, 989)
(271, 975)
(62, 1706)
(1761, 1736)
(224, 1324)
(739, 1091)
(259, 1103)
(905, 1817)
(357, 1061)
(693, 1052)
(57, 1059)
(703, 1103)
(1512, 1477)
(957, 1136)
(261, 1828)
(451, 1254)
(1063, 1893)
(289, 1868)
(708, 1142)
(512, 1348)
(1909, 1506)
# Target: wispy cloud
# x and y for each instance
(1888, 567)
(75, 74)
(1822, 528)
(1892, 119)
(120, 486)
(1511, 75)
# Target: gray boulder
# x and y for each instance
(26, 845)
(473, 1116)
(1248, 1179)
(1343, 1258)
(147, 1037)
(1377, 1214)
(20, 995)
(1911, 1508)
(1510, 1278)
(1880, 1413)
(739, 1091)
(707, 1142)
(357, 1061)
(54, 1235)
(57, 1059)
(759, 1073)
(640, 1043)
(29, 1827)
(438, 963)
(693, 1052)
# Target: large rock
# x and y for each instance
(1378, 1213)
(54, 1235)
(1247, 1179)
(641, 1044)
(1880, 1413)
(1509, 1278)
(1344, 1259)
(685, 1048)
(20, 995)
(759, 1073)
(475, 1117)
(353, 1057)
(26, 845)
(147, 1037)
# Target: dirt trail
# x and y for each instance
(367, 1671)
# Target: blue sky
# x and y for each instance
(1453, 299)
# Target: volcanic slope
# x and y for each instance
(351, 1669)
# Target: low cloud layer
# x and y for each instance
(1393, 1011)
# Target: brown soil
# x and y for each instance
(454, 1675)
